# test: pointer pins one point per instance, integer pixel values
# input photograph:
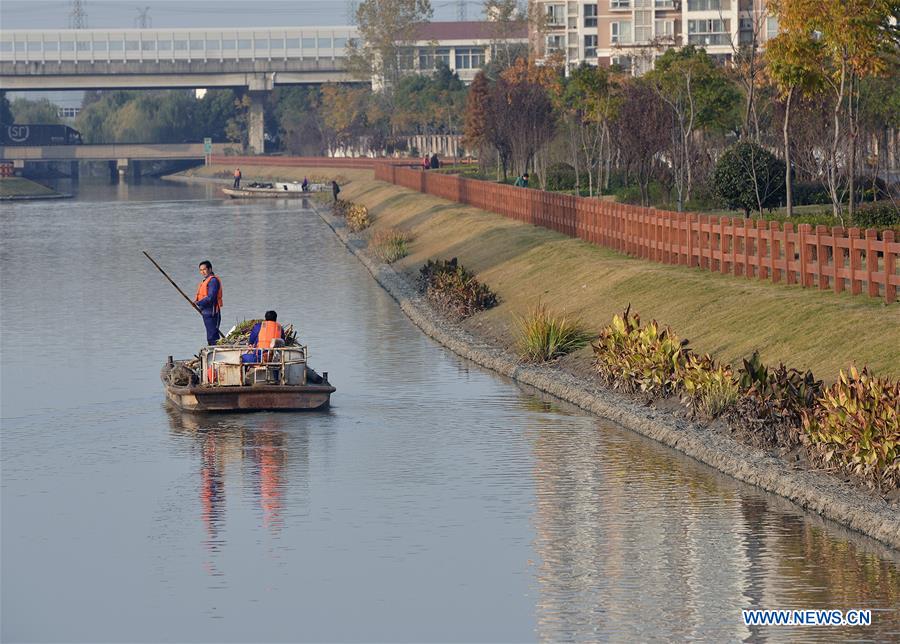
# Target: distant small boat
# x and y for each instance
(274, 190)
(221, 381)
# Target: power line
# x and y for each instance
(461, 10)
(78, 15)
(143, 20)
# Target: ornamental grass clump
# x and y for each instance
(454, 290)
(544, 335)
(390, 244)
(357, 217)
(855, 428)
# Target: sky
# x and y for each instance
(112, 14)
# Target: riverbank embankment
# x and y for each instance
(524, 264)
(21, 189)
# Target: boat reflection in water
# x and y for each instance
(242, 464)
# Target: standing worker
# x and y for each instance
(335, 189)
(209, 299)
(237, 178)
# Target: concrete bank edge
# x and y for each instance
(820, 493)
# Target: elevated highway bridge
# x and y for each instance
(253, 58)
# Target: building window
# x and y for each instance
(709, 5)
(309, 43)
(709, 32)
(556, 15)
(405, 58)
(555, 43)
(442, 56)
(663, 4)
(625, 63)
(643, 26)
(590, 46)
(275, 43)
(469, 58)
(325, 43)
(620, 4)
(590, 15)
(771, 27)
(426, 59)
(620, 32)
(665, 29)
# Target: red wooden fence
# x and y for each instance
(828, 258)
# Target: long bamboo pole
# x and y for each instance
(172, 282)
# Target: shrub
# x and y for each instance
(634, 358)
(879, 214)
(749, 177)
(856, 428)
(805, 193)
(357, 217)
(454, 290)
(773, 402)
(560, 176)
(390, 244)
(544, 336)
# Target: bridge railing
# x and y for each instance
(160, 45)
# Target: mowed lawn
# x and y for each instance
(728, 317)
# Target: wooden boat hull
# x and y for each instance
(250, 398)
(263, 193)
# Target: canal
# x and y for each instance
(434, 501)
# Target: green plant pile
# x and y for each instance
(852, 426)
(240, 333)
(390, 244)
(560, 176)
(454, 290)
(773, 401)
(879, 214)
(856, 428)
(544, 335)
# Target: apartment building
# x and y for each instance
(632, 33)
(464, 46)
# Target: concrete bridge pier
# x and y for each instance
(259, 86)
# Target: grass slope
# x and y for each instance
(729, 317)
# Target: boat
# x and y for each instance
(274, 190)
(220, 379)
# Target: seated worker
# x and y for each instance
(264, 335)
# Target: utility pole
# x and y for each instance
(78, 15)
(352, 6)
(461, 10)
(143, 20)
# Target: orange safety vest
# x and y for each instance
(268, 331)
(202, 291)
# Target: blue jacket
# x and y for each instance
(208, 304)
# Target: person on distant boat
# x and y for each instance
(305, 185)
(209, 301)
(237, 178)
(264, 335)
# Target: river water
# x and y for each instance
(434, 501)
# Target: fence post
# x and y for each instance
(775, 250)
(821, 256)
(871, 261)
(890, 267)
(689, 228)
(837, 254)
(855, 261)
(790, 253)
(802, 231)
